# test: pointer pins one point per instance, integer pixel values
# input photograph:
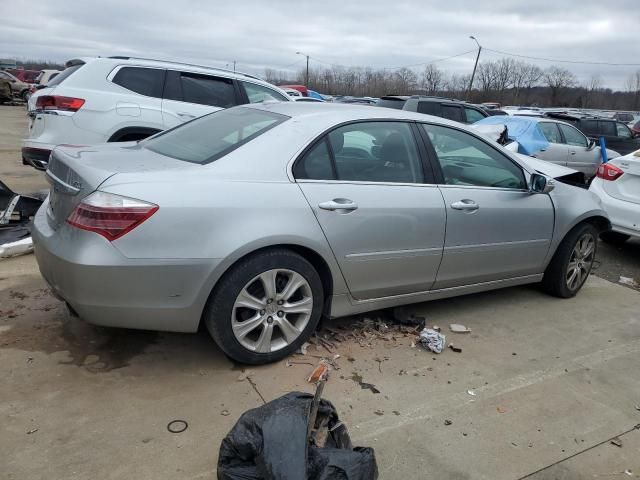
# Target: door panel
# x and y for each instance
(391, 243)
(555, 153)
(507, 236)
(175, 112)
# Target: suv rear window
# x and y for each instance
(145, 81)
(213, 136)
(66, 73)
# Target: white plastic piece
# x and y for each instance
(13, 249)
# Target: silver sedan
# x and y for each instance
(259, 220)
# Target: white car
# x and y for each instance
(617, 183)
(118, 99)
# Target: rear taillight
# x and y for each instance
(606, 171)
(56, 102)
(109, 215)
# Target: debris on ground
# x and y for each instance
(455, 349)
(303, 348)
(321, 372)
(244, 375)
(177, 426)
(405, 317)
(33, 430)
(628, 472)
(363, 385)
(15, 214)
(617, 442)
(501, 410)
(284, 439)
(225, 413)
(458, 328)
(448, 422)
(628, 281)
(471, 392)
(432, 340)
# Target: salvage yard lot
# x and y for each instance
(554, 381)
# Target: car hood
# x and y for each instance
(547, 168)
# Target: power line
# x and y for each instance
(556, 60)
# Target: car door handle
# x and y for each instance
(338, 204)
(466, 205)
(572, 152)
(186, 115)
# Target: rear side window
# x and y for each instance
(551, 132)
(430, 108)
(473, 115)
(66, 73)
(145, 81)
(213, 136)
(623, 130)
(589, 127)
(608, 128)
(452, 112)
(316, 164)
(258, 93)
(389, 103)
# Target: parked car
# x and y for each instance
(45, 76)
(5, 91)
(19, 89)
(553, 141)
(635, 129)
(292, 92)
(624, 117)
(617, 184)
(26, 76)
(257, 220)
(446, 108)
(617, 135)
(118, 99)
(307, 99)
(300, 88)
(392, 101)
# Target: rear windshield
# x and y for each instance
(66, 73)
(213, 136)
(388, 103)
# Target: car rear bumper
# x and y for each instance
(624, 216)
(105, 288)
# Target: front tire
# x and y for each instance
(572, 262)
(265, 307)
(614, 238)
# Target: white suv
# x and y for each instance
(118, 99)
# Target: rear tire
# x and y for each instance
(614, 238)
(571, 264)
(265, 307)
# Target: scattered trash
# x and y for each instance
(455, 349)
(29, 359)
(436, 328)
(321, 372)
(303, 348)
(19, 247)
(501, 410)
(628, 281)
(448, 422)
(244, 375)
(295, 436)
(404, 317)
(432, 340)
(457, 328)
(225, 413)
(15, 213)
(471, 392)
(638, 407)
(177, 426)
(617, 442)
(33, 430)
(628, 472)
(379, 412)
(289, 362)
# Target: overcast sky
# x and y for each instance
(375, 33)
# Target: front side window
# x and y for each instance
(623, 130)
(467, 160)
(551, 132)
(590, 127)
(258, 93)
(364, 152)
(473, 115)
(573, 136)
(145, 81)
(213, 136)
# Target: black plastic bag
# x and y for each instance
(270, 443)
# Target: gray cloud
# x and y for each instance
(376, 33)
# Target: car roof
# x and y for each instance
(331, 113)
(150, 62)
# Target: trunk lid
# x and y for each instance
(627, 187)
(76, 171)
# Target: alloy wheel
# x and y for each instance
(580, 262)
(272, 310)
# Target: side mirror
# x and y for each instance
(540, 184)
(592, 144)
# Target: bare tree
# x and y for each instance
(406, 80)
(633, 87)
(432, 79)
(525, 77)
(558, 79)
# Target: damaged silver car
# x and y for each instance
(258, 220)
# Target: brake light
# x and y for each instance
(109, 215)
(606, 171)
(56, 102)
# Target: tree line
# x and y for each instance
(507, 81)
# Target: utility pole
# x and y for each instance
(306, 80)
(473, 75)
(234, 65)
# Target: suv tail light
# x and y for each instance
(606, 171)
(109, 215)
(56, 102)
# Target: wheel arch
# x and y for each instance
(132, 133)
(312, 256)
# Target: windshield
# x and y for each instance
(213, 136)
(391, 103)
(66, 73)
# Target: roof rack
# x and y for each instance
(436, 97)
(123, 57)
